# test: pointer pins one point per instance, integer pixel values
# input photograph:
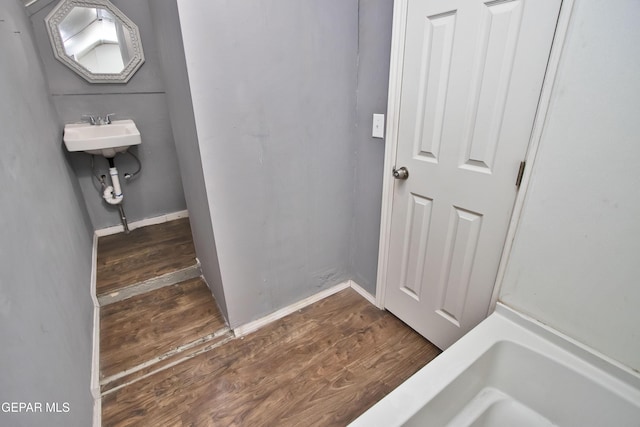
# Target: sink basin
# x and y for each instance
(106, 140)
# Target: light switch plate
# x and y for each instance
(378, 126)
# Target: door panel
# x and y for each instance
(472, 73)
(499, 29)
(432, 87)
(418, 222)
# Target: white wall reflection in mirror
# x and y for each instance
(90, 36)
(95, 39)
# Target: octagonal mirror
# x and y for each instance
(95, 39)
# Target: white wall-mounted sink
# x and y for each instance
(106, 140)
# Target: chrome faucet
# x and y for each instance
(89, 118)
(98, 120)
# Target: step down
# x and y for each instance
(165, 361)
(145, 253)
(150, 285)
(153, 325)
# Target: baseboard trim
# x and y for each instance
(95, 359)
(142, 223)
(94, 270)
(97, 412)
(363, 292)
(253, 326)
(95, 356)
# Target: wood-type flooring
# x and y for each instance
(143, 254)
(323, 365)
(145, 326)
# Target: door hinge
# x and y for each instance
(520, 174)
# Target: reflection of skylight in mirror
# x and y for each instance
(85, 28)
(94, 39)
(76, 20)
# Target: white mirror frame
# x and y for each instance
(62, 10)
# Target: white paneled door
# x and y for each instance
(471, 77)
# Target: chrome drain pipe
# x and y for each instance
(123, 218)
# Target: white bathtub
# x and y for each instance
(512, 371)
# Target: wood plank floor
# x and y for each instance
(323, 365)
(150, 325)
(145, 253)
(158, 310)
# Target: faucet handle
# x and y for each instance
(89, 117)
(107, 118)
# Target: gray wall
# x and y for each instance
(273, 86)
(374, 48)
(45, 304)
(158, 189)
(574, 263)
(169, 39)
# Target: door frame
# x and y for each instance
(391, 142)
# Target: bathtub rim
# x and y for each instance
(504, 324)
(583, 351)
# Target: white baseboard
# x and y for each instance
(95, 358)
(253, 326)
(95, 355)
(247, 328)
(97, 412)
(142, 223)
(363, 292)
(94, 270)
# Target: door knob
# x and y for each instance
(400, 173)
